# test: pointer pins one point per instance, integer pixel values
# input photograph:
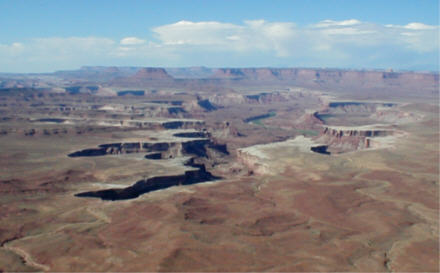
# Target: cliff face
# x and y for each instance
(332, 77)
(205, 150)
(338, 133)
(202, 78)
(225, 99)
(154, 183)
(323, 75)
(264, 98)
(153, 76)
(229, 73)
(345, 139)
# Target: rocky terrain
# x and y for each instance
(219, 169)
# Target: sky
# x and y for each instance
(45, 36)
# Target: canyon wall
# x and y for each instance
(322, 78)
(345, 139)
(332, 77)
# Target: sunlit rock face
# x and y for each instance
(344, 139)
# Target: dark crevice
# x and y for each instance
(259, 117)
(191, 134)
(155, 183)
(131, 92)
(322, 149)
(197, 148)
(154, 156)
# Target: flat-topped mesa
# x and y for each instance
(338, 107)
(152, 73)
(226, 99)
(345, 139)
(334, 78)
(229, 73)
(112, 69)
(260, 74)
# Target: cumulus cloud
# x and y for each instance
(346, 43)
(127, 41)
(252, 35)
(418, 26)
(195, 33)
(331, 23)
(12, 49)
(285, 38)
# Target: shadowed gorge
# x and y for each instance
(154, 183)
(131, 92)
(320, 149)
(197, 148)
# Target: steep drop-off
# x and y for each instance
(155, 183)
(197, 148)
(345, 139)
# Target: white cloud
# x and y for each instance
(331, 23)
(252, 35)
(347, 31)
(196, 33)
(284, 38)
(418, 26)
(12, 49)
(416, 37)
(326, 43)
(127, 41)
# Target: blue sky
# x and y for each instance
(43, 36)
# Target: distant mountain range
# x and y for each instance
(321, 78)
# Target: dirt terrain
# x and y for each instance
(198, 169)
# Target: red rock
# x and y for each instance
(150, 73)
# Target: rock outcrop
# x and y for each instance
(321, 78)
(259, 74)
(339, 132)
(199, 149)
(152, 73)
(253, 161)
(335, 78)
(323, 75)
(265, 98)
(308, 121)
(345, 139)
(228, 98)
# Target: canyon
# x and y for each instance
(219, 169)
